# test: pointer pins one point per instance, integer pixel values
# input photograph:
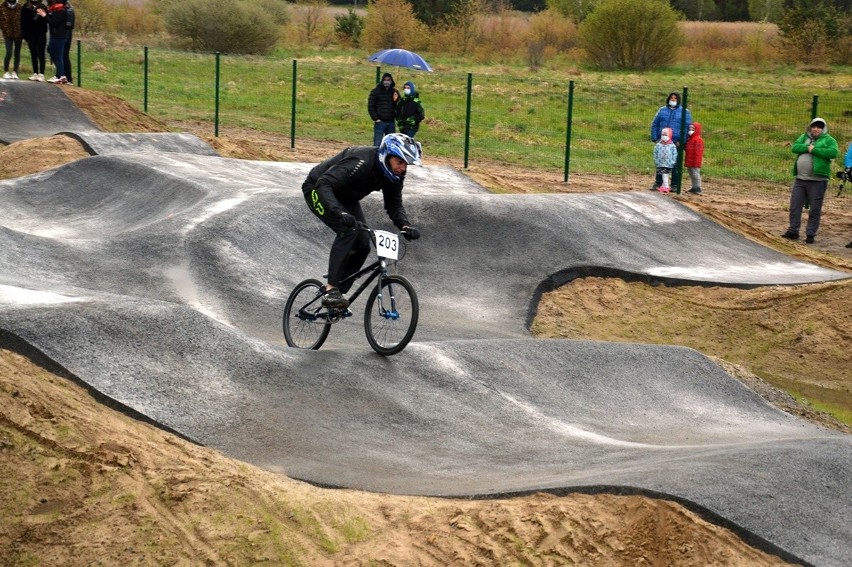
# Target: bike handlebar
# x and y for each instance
(364, 226)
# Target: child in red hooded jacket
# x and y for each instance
(693, 155)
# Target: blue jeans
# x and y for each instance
(381, 129)
(56, 48)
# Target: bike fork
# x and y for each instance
(391, 313)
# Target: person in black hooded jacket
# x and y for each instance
(381, 104)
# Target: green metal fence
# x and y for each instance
(498, 118)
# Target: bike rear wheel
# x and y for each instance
(306, 322)
(391, 321)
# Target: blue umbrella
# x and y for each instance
(400, 58)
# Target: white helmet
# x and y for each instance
(401, 146)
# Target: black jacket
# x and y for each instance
(353, 174)
(381, 104)
(57, 21)
(32, 25)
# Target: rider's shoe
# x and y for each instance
(333, 298)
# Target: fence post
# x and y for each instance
(79, 63)
(814, 107)
(467, 119)
(145, 81)
(678, 171)
(569, 120)
(216, 111)
(378, 73)
(293, 109)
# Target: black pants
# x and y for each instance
(37, 46)
(66, 54)
(13, 45)
(350, 247)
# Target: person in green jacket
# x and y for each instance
(409, 110)
(814, 150)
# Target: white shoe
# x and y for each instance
(53, 80)
(62, 80)
(14, 75)
(40, 77)
(34, 77)
(7, 75)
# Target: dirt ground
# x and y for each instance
(83, 484)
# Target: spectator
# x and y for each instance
(409, 110)
(694, 155)
(10, 25)
(814, 150)
(34, 31)
(57, 19)
(665, 158)
(66, 52)
(669, 116)
(381, 104)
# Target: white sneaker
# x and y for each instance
(14, 75)
(7, 75)
(34, 77)
(62, 80)
(53, 80)
(40, 77)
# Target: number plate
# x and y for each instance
(387, 244)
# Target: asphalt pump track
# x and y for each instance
(157, 279)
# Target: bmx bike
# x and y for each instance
(390, 315)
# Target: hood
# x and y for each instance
(389, 76)
(410, 85)
(697, 128)
(817, 119)
(665, 131)
(670, 95)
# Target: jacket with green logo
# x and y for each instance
(409, 111)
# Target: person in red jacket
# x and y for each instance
(693, 155)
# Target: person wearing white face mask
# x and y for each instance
(10, 26)
(665, 158)
(669, 116)
(409, 110)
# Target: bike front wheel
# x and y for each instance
(306, 322)
(390, 316)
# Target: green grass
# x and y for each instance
(516, 116)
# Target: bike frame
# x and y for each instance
(379, 269)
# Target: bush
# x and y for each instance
(631, 34)
(815, 34)
(503, 36)
(132, 20)
(460, 31)
(348, 27)
(91, 16)
(577, 10)
(222, 25)
(552, 29)
(392, 23)
(310, 19)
